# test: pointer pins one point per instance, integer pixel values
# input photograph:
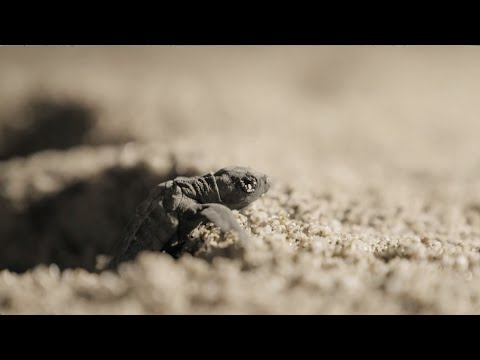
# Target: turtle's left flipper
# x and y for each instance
(223, 217)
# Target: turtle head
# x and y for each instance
(240, 186)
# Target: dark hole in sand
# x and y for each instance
(43, 124)
(72, 227)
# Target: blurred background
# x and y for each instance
(86, 131)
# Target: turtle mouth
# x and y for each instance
(249, 186)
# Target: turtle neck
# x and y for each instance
(203, 189)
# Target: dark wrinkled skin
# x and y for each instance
(176, 207)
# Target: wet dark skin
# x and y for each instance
(176, 207)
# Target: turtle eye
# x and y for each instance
(248, 184)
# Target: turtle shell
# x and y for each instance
(152, 227)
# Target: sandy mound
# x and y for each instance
(374, 205)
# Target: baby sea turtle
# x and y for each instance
(174, 208)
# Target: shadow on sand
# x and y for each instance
(70, 228)
(42, 124)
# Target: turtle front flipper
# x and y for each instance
(223, 217)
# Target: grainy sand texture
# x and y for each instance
(372, 152)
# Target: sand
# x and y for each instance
(373, 154)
